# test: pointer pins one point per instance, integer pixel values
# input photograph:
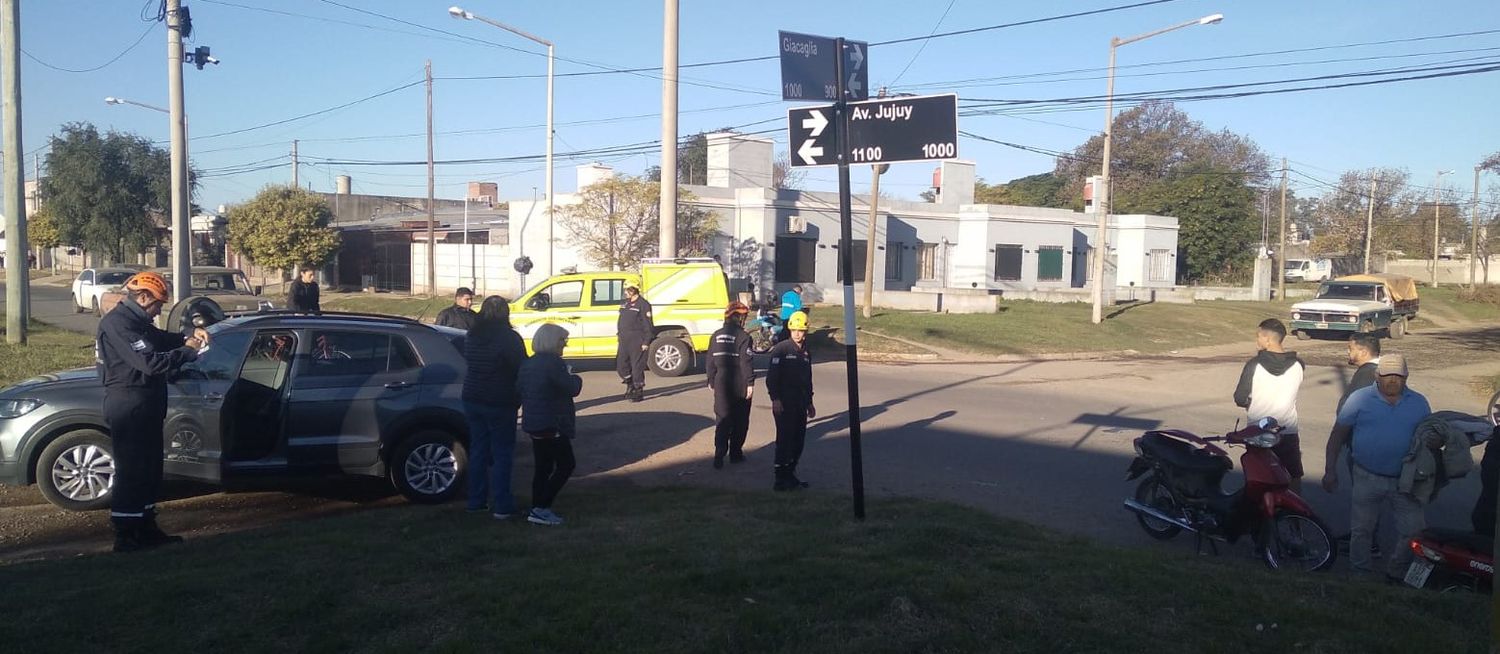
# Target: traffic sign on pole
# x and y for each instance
(809, 69)
(914, 128)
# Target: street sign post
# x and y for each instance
(915, 128)
(810, 69)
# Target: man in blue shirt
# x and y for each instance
(1381, 420)
(791, 302)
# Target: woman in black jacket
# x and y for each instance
(494, 352)
(548, 415)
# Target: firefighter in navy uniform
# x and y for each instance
(134, 359)
(732, 378)
(789, 383)
(635, 331)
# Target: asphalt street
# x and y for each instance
(1047, 442)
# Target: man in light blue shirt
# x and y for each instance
(1381, 420)
(791, 302)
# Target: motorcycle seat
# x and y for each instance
(1183, 455)
(1465, 539)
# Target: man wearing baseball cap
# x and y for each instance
(1379, 423)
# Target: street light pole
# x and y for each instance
(460, 13)
(667, 233)
(1436, 196)
(181, 240)
(18, 273)
(1105, 196)
(1473, 229)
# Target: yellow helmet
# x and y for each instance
(798, 322)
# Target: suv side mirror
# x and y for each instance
(539, 302)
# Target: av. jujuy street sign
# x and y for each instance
(808, 68)
(915, 128)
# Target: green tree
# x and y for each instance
(1044, 190)
(615, 223)
(283, 227)
(106, 191)
(41, 228)
(1217, 222)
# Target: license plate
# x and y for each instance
(1417, 573)
(1322, 325)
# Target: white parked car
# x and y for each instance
(94, 282)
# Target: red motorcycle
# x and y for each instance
(1181, 491)
(1453, 559)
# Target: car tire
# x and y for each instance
(669, 356)
(1397, 328)
(428, 467)
(76, 471)
(77, 308)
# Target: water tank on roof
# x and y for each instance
(342, 184)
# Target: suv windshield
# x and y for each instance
(219, 282)
(1346, 292)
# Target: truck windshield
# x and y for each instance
(1346, 292)
(1294, 264)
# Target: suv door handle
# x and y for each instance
(396, 386)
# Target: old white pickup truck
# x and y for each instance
(1357, 303)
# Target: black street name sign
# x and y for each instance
(917, 128)
(808, 68)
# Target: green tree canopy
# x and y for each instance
(1217, 230)
(1044, 190)
(41, 228)
(283, 227)
(106, 191)
(615, 223)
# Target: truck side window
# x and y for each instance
(564, 295)
(609, 292)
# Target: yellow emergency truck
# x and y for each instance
(687, 297)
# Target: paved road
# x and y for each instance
(1047, 442)
(54, 305)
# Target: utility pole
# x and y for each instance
(1369, 225)
(294, 164)
(431, 191)
(667, 237)
(17, 275)
(1473, 233)
(1280, 269)
(182, 255)
(1436, 208)
(875, 172)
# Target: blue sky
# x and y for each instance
(278, 66)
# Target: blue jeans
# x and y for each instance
(492, 448)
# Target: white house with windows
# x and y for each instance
(950, 254)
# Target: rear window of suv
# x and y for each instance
(336, 353)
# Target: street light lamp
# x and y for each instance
(1107, 192)
(1436, 208)
(460, 13)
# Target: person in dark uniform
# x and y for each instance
(303, 297)
(134, 359)
(732, 379)
(461, 315)
(789, 382)
(635, 331)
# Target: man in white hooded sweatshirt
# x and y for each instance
(1268, 389)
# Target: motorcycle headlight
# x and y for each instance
(1263, 439)
(17, 408)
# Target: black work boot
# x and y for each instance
(784, 480)
(151, 535)
(637, 393)
(128, 538)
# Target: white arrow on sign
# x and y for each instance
(809, 153)
(857, 55)
(858, 59)
(815, 122)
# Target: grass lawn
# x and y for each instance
(1026, 327)
(411, 306)
(47, 349)
(1481, 306)
(674, 570)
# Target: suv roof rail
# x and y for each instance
(679, 260)
(278, 313)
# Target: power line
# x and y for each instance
(920, 50)
(310, 114)
(106, 64)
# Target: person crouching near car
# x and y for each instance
(548, 415)
(494, 352)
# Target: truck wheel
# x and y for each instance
(1397, 328)
(669, 356)
(1303, 335)
(1367, 327)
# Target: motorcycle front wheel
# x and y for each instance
(1153, 492)
(1293, 541)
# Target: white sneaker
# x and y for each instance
(544, 517)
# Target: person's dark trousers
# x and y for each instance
(135, 417)
(630, 361)
(731, 428)
(492, 447)
(791, 433)
(554, 464)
